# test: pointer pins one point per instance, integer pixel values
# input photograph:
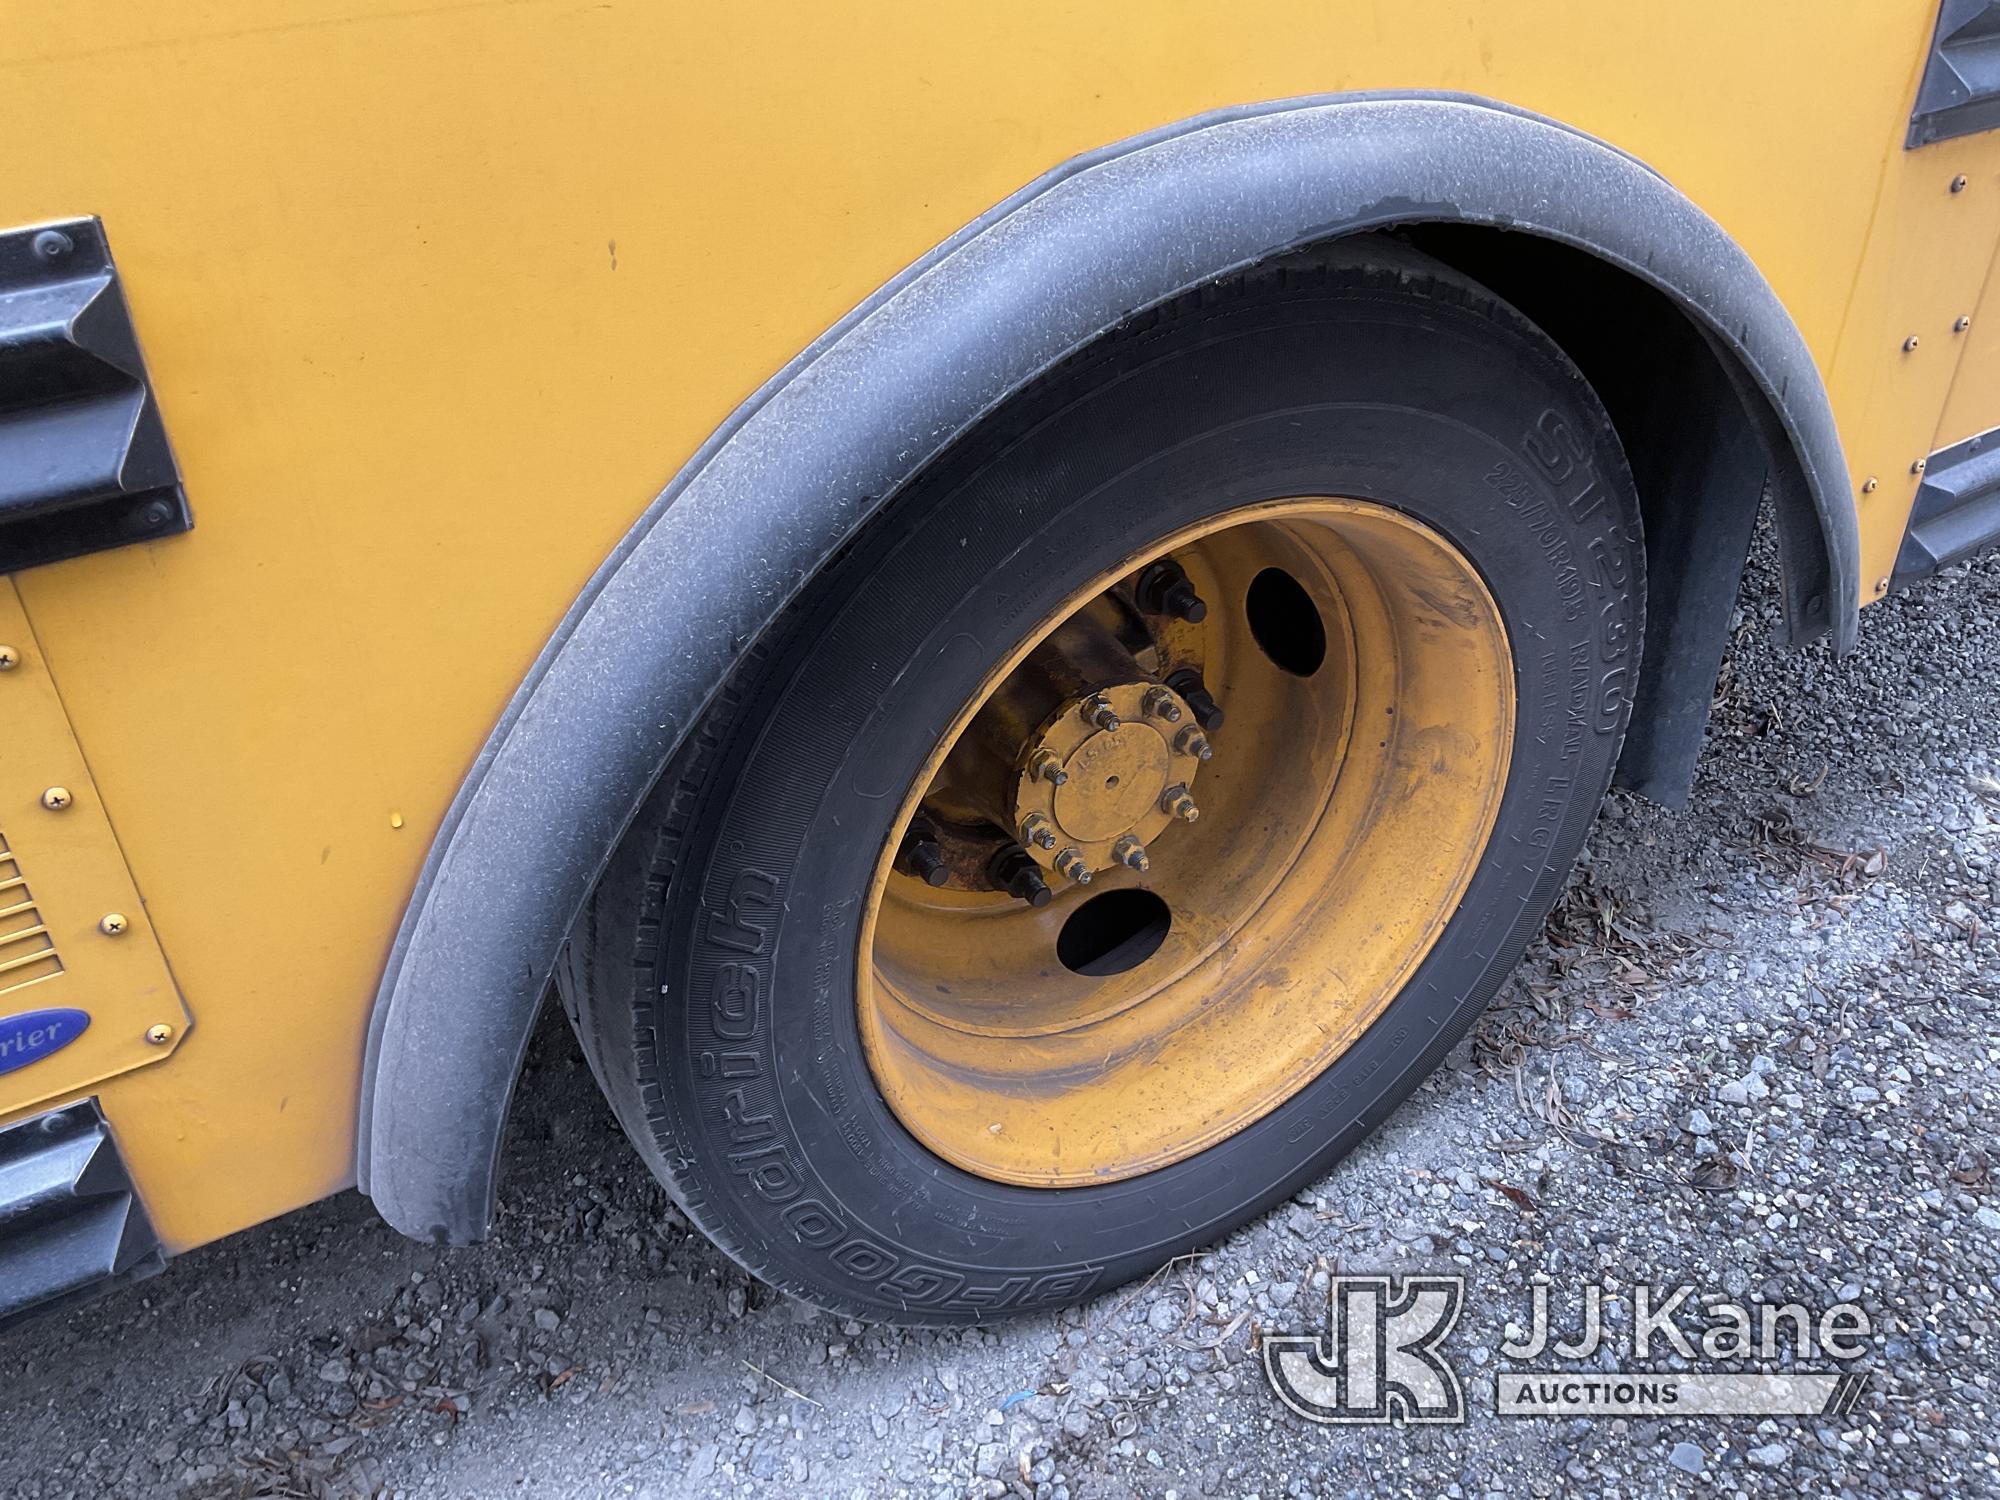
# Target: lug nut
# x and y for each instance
(1035, 830)
(1207, 712)
(1070, 865)
(1175, 800)
(1164, 590)
(1048, 768)
(1015, 872)
(1159, 702)
(1129, 852)
(922, 857)
(1191, 741)
(1100, 712)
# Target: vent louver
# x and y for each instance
(27, 952)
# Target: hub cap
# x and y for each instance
(1097, 776)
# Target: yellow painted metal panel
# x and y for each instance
(1974, 404)
(1898, 354)
(437, 297)
(74, 934)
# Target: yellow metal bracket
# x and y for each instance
(74, 935)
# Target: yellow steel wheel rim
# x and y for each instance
(1341, 817)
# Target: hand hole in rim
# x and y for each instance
(1285, 623)
(1114, 932)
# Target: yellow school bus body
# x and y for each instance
(435, 299)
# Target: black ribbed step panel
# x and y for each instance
(84, 459)
(1957, 513)
(70, 1223)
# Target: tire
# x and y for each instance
(713, 977)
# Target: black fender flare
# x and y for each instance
(814, 452)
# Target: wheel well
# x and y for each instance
(1704, 449)
(814, 452)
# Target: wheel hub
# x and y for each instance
(1106, 776)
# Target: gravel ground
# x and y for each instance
(1755, 1049)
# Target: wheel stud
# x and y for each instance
(1160, 704)
(1207, 712)
(1164, 590)
(922, 856)
(1048, 768)
(1013, 871)
(1183, 603)
(1129, 852)
(1070, 865)
(1099, 711)
(1191, 741)
(1035, 830)
(1175, 800)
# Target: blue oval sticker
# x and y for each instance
(34, 1034)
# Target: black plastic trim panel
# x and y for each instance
(1960, 94)
(84, 459)
(71, 1224)
(1957, 512)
